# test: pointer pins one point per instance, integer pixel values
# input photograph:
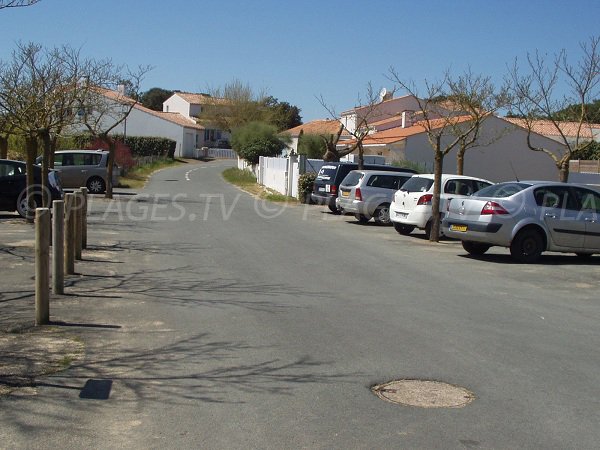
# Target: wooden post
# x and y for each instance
(58, 247)
(42, 266)
(78, 224)
(85, 213)
(69, 234)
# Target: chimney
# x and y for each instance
(121, 89)
(407, 117)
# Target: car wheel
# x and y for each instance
(333, 209)
(362, 218)
(527, 246)
(475, 248)
(404, 230)
(96, 185)
(23, 208)
(382, 214)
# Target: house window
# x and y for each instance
(166, 108)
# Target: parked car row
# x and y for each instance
(528, 217)
(72, 169)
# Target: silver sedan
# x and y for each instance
(528, 217)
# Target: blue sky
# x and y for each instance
(299, 50)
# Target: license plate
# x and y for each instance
(403, 215)
(345, 194)
(461, 228)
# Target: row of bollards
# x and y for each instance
(68, 231)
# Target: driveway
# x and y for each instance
(215, 320)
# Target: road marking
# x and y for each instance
(187, 174)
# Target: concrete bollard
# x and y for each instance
(69, 234)
(42, 266)
(58, 247)
(84, 191)
(78, 224)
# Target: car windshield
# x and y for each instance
(417, 184)
(352, 179)
(501, 190)
(327, 172)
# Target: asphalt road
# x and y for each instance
(221, 321)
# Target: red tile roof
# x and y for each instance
(323, 127)
(170, 117)
(397, 134)
(547, 128)
(200, 99)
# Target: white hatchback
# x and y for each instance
(411, 207)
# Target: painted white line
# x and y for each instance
(187, 174)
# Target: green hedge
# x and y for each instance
(139, 145)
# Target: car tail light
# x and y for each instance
(425, 199)
(358, 194)
(333, 189)
(492, 208)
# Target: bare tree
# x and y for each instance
(103, 105)
(446, 125)
(365, 113)
(36, 99)
(16, 3)
(476, 97)
(234, 105)
(537, 95)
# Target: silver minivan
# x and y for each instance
(368, 193)
(79, 168)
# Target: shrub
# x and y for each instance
(410, 165)
(311, 145)
(256, 139)
(305, 186)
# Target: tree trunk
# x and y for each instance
(45, 168)
(460, 161)
(563, 171)
(438, 165)
(3, 147)
(112, 145)
(31, 145)
(361, 156)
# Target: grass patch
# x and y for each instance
(136, 178)
(246, 180)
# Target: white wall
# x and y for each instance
(384, 110)
(177, 104)
(141, 123)
(508, 156)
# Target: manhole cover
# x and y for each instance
(424, 394)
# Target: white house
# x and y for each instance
(142, 121)
(389, 110)
(191, 105)
(502, 153)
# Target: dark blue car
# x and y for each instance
(13, 183)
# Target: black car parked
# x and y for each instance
(327, 183)
(13, 186)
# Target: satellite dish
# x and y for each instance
(382, 94)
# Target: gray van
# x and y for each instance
(368, 193)
(79, 168)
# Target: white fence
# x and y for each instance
(217, 153)
(281, 174)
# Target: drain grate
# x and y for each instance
(424, 394)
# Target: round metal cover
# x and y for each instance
(424, 394)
